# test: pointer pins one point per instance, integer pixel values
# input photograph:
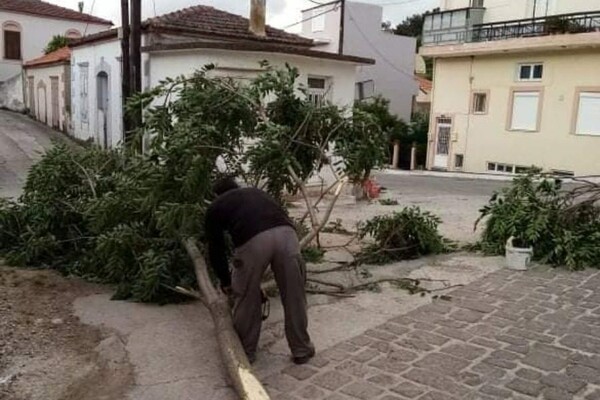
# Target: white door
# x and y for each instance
(442, 143)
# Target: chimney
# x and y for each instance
(257, 17)
(81, 6)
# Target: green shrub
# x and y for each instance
(406, 234)
(562, 227)
(119, 216)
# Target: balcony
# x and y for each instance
(474, 31)
(552, 25)
(454, 26)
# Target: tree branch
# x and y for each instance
(247, 386)
(313, 216)
(308, 238)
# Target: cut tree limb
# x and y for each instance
(308, 238)
(247, 386)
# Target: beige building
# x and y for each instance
(515, 86)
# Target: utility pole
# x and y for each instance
(136, 57)
(534, 8)
(125, 64)
(342, 23)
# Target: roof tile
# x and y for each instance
(60, 55)
(41, 8)
(213, 22)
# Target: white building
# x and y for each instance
(26, 27)
(355, 28)
(180, 43)
(48, 88)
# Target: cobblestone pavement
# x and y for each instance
(511, 335)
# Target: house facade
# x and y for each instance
(356, 29)
(180, 43)
(26, 27)
(48, 89)
(515, 86)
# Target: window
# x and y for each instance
(459, 160)
(480, 103)
(317, 90)
(530, 72)
(12, 40)
(73, 34)
(588, 114)
(505, 168)
(525, 111)
(364, 90)
(318, 20)
(83, 91)
(477, 3)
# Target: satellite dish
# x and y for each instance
(420, 67)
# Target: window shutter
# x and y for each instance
(588, 116)
(12, 45)
(318, 20)
(525, 111)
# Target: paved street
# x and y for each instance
(510, 335)
(22, 142)
(425, 186)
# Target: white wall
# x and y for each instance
(98, 57)
(36, 32)
(11, 93)
(328, 38)
(171, 64)
(394, 55)
(43, 106)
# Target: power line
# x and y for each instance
(383, 57)
(335, 8)
(91, 13)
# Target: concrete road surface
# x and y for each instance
(22, 142)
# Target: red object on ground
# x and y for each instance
(372, 189)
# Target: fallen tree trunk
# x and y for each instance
(247, 386)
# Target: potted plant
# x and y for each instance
(518, 254)
(519, 217)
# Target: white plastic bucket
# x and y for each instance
(517, 258)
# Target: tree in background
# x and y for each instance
(397, 130)
(413, 27)
(57, 42)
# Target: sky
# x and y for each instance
(280, 13)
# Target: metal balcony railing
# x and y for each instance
(556, 24)
(530, 27)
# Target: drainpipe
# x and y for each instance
(257, 17)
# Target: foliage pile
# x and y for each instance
(118, 216)
(407, 234)
(563, 227)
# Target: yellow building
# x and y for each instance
(515, 86)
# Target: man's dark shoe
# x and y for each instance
(303, 359)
